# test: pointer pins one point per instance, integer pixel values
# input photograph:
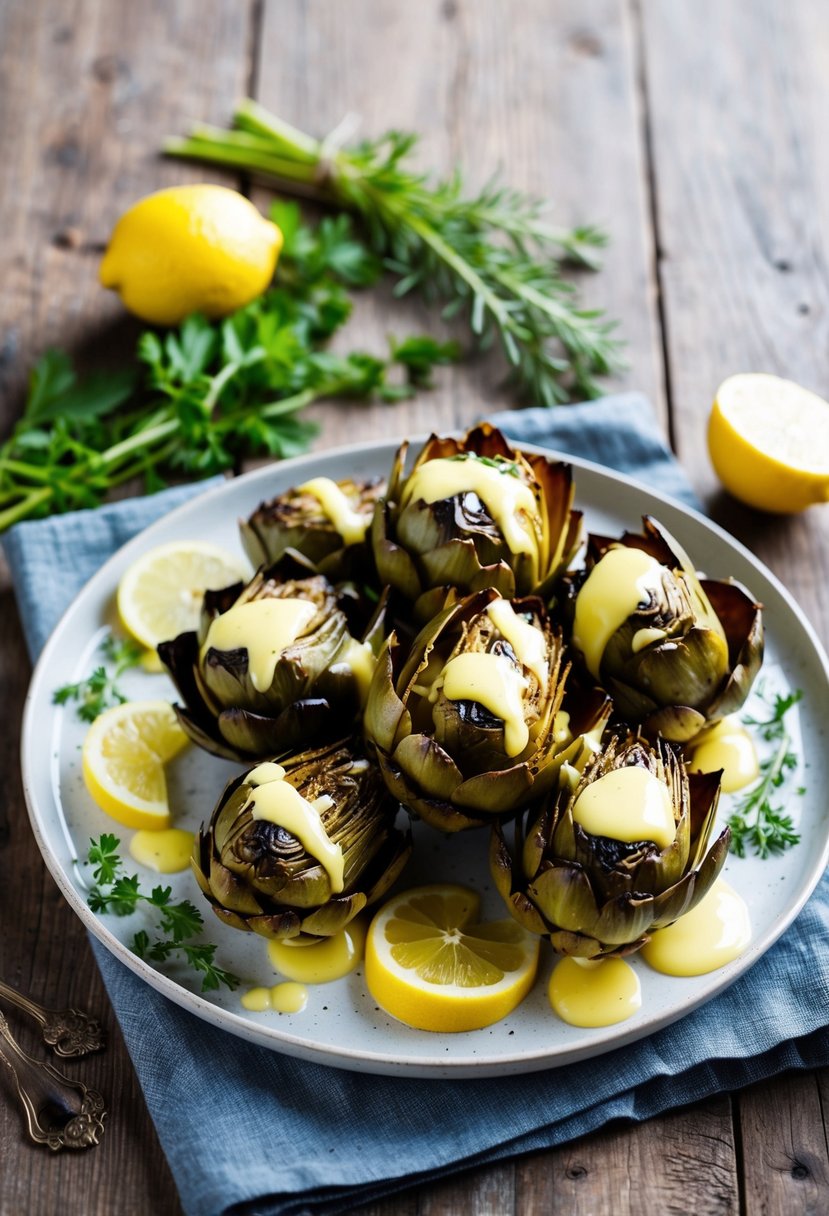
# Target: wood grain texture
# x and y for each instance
(785, 1165)
(741, 166)
(548, 99)
(681, 1164)
(86, 92)
(620, 113)
(740, 163)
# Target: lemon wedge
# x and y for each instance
(769, 442)
(160, 595)
(430, 965)
(124, 754)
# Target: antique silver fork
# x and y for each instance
(59, 1111)
(69, 1032)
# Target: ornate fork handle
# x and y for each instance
(69, 1032)
(59, 1112)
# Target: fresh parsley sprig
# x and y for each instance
(202, 397)
(760, 822)
(100, 690)
(120, 894)
(491, 256)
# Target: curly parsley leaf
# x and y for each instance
(121, 895)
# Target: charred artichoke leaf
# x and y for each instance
(302, 844)
(475, 513)
(616, 854)
(469, 725)
(673, 650)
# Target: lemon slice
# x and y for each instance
(124, 754)
(431, 966)
(769, 442)
(160, 595)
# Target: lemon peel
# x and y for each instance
(160, 594)
(123, 758)
(190, 249)
(768, 439)
(430, 965)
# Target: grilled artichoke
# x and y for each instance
(272, 666)
(301, 846)
(473, 513)
(620, 852)
(673, 650)
(324, 520)
(469, 725)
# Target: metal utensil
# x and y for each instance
(69, 1032)
(59, 1111)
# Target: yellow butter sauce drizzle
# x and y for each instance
(590, 993)
(276, 800)
(509, 500)
(349, 523)
(322, 961)
(495, 682)
(289, 997)
(616, 586)
(166, 852)
(715, 933)
(527, 641)
(262, 627)
(627, 804)
(727, 746)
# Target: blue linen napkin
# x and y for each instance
(254, 1133)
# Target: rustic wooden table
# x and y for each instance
(695, 131)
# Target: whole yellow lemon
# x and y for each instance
(199, 248)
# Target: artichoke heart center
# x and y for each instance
(276, 800)
(350, 524)
(617, 585)
(495, 682)
(264, 628)
(509, 500)
(627, 804)
(528, 642)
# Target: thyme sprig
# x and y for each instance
(100, 691)
(760, 822)
(120, 894)
(491, 256)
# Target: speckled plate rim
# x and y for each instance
(628, 497)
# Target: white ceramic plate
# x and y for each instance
(342, 1025)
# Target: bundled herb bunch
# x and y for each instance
(203, 396)
(491, 256)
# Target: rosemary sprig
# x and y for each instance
(120, 894)
(491, 256)
(100, 690)
(759, 821)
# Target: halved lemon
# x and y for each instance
(124, 754)
(769, 442)
(160, 595)
(431, 965)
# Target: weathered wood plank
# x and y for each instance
(736, 103)
(737, 100)
(784, 1155)
(87, 91)
(552, 99)
(547, 97)
(681, 1164)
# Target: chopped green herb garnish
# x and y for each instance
(177, 921)
(99, 691)
(760, 822)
